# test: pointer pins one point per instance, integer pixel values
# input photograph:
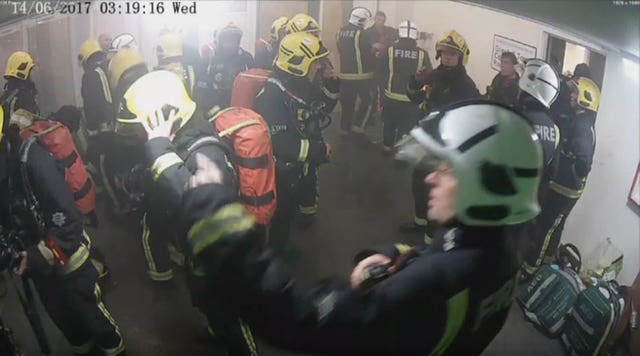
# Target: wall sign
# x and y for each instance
(504, 44)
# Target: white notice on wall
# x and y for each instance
(504, 44)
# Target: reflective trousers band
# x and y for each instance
(76, 260)
(248, 337)
(108, 351)
(547, 239)
(309, 210)
(163, 162)
(395, 96)
(304, 150)
(105, 85)
(355, 76)
(330, 95)
(161, 276)
(567, 192)
(420, 221)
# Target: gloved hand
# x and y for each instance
(157, 125)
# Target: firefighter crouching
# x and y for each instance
(192, 178)
(38, 205)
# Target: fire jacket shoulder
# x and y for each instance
(193, 172)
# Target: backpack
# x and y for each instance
(248, 134)
(592, 319)
(57, 140)
(247, 85)
(548, 297)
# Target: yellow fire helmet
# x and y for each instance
(170, 46)
(302, 23)
(158, 91)
(122, 61)
(453, 39)
(588, 94)
(278, 27)
(19, 65)
(297, 52)
(88, 49)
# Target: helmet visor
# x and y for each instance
(410, 150)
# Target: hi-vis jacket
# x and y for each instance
(357, 60)
(401, 60)
(450, 298)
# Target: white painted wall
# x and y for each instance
(602, 211)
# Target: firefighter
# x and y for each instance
(19, 91)
(409, 302)
(504, 86)
(121, 41)
(266, 48)
(169, 53)
(228, 60)
(539, 87)
(125, 68)
(327, 79)
(192, 179)
(357, 64)
(398, 63)
(294, 108)
(445, 85)
(37, 204)
(158, 241)
(99, 117)
(568, 176)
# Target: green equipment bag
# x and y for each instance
(548, 297)
(594, 314)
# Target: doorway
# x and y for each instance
(564, 55)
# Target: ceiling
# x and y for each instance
(611, 26)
